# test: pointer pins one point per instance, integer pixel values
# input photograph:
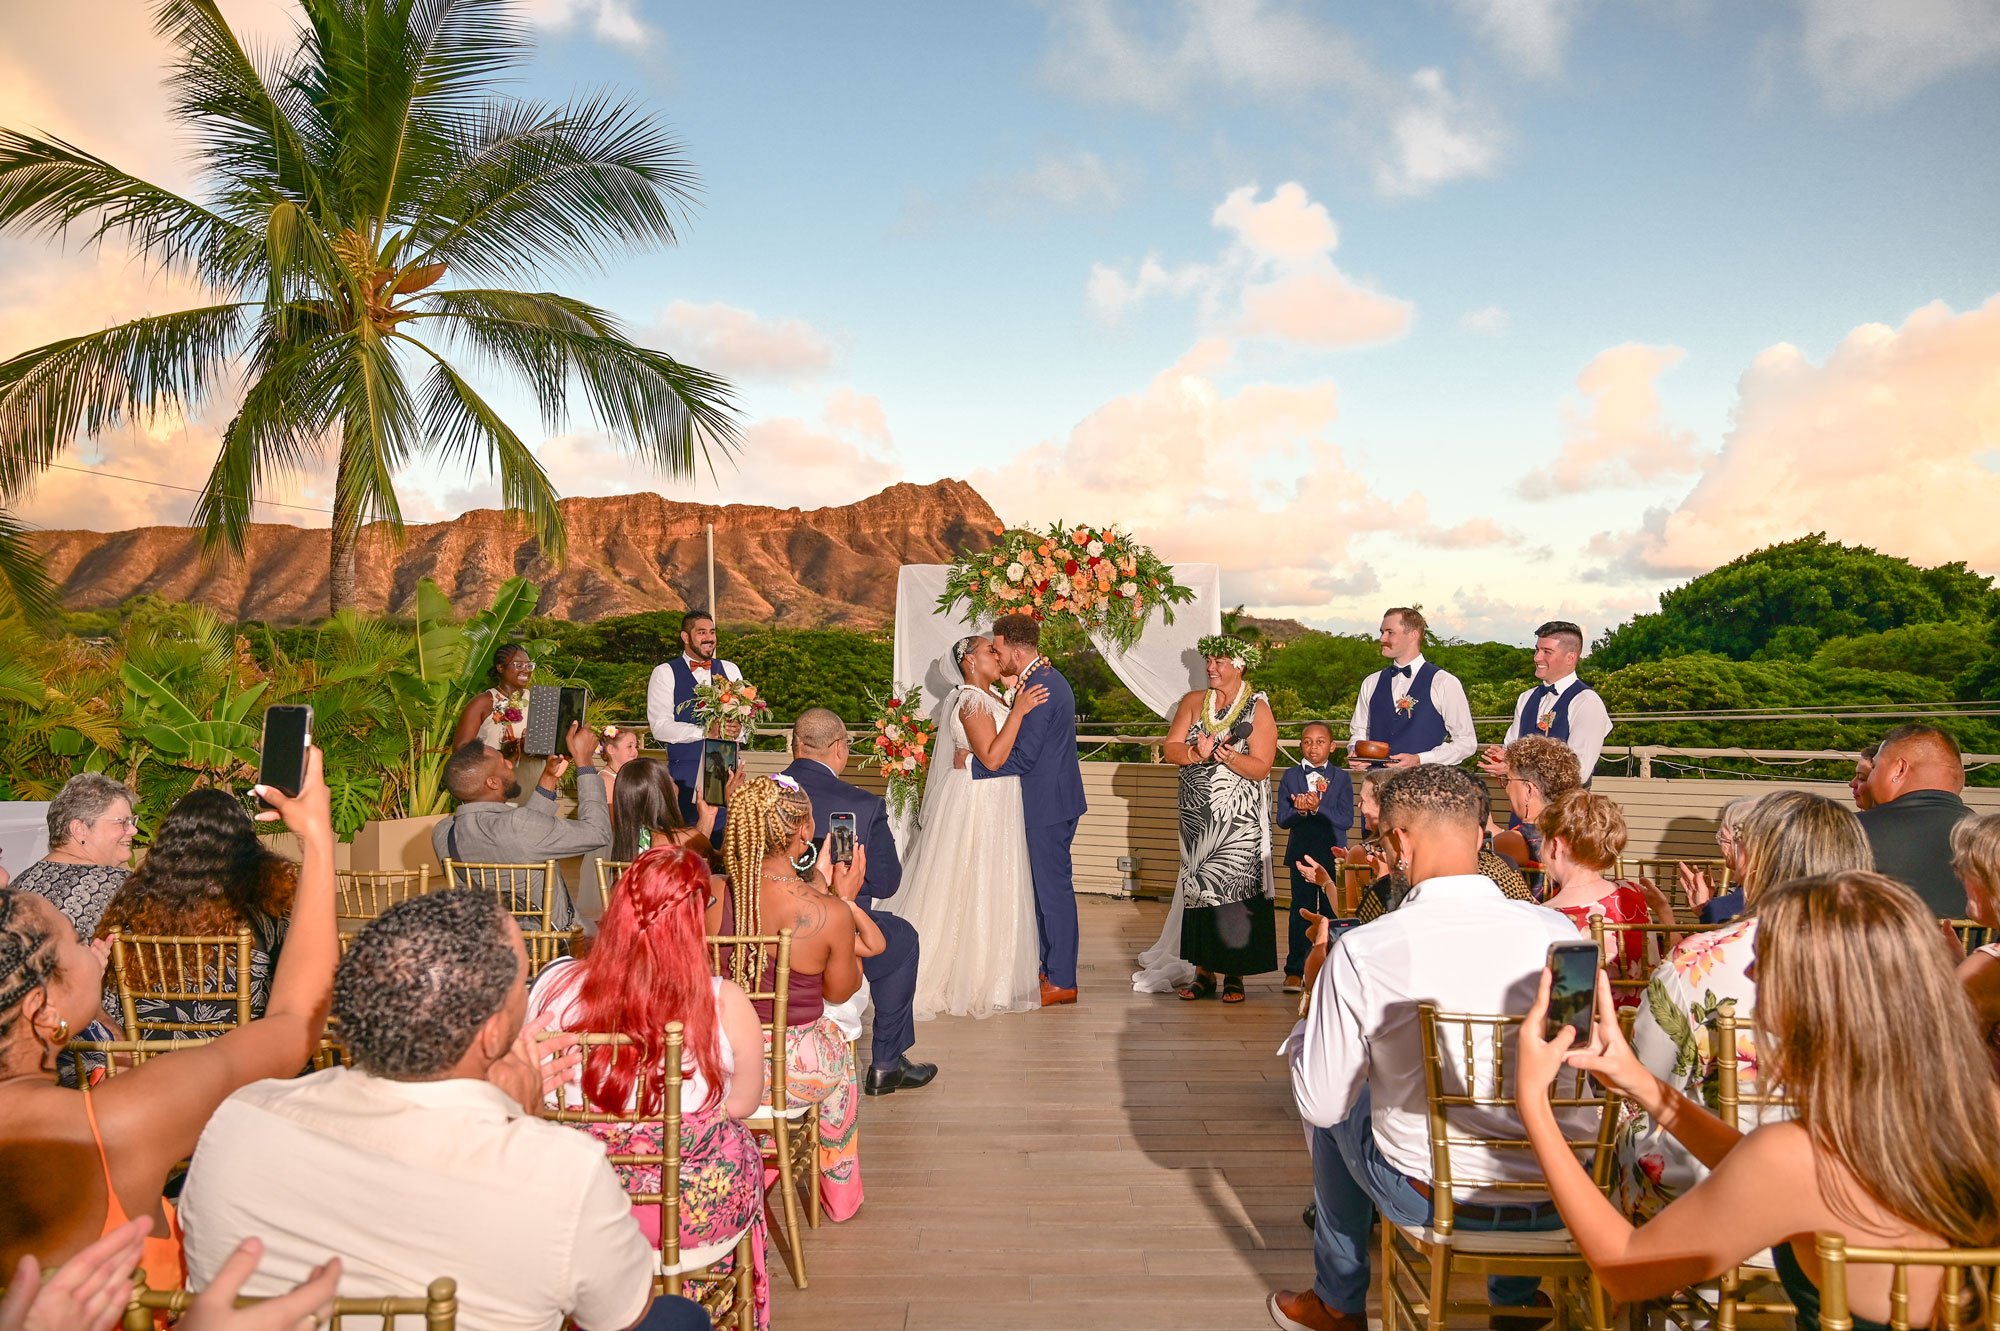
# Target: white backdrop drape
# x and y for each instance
(1159, 670)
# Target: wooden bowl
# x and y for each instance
(1371, 749)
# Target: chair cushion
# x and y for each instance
(693, 1259)
(764, 1115)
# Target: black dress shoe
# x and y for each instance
(905, 1076)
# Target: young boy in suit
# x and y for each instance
(1316, 806)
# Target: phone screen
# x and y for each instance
(842, 827)
(282, 755)
(570, 706)
(1572, 987)
(718, 760)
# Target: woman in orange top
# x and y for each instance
(75, 1165)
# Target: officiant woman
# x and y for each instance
(1224, 739)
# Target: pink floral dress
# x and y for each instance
(1623, 905)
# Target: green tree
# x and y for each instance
(1942, 650)
(369, 203)
(1784, 601)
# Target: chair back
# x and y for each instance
(1968, 1295)
(571, 1108)
(1666, 872)
(209, 974)
(527, 891)
(1731, 1099)
(545, 946)
(437, 1308)
(1650, 942)
(1971, 934)
(607, 878)
(111, 1057)
(362, 894)
(775, 954)
(1469, 1095)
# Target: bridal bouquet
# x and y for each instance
(901, 748)
(728, 708)
(1097, 579)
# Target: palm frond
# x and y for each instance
(25, 587)
(463, 425)
(289, 412)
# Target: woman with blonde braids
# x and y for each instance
(768, 848)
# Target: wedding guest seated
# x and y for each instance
(779, 879)
(1316, 809)
(646, 812)
(1712, 907)
(1538, 769)
(1786, 835)
(1975, 854)
(650, 966)
(1390, 886)
(488, 829)
(616, 746)
(1582, 834)
(428, 1156)
(90, 846)
(1855, 980)
(206, 874)
(1858, 783)
(820, 755)
(1915, 783)
(1357, 1060)
(76, 1165)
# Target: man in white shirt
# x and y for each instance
(1357, 1058)
(1561, 706)
(1417, 708)
(427, 1158)
(670, 710)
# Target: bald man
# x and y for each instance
(1914, 785)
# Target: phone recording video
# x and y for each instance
(718, 761)
(842, 827)
(1572, 987)
(281, 763)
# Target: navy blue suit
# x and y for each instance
(1314, 834)
(1044, 757)
(892, 976)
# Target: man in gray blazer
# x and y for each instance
(489, 829)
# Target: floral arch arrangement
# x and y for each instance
(1082, 580)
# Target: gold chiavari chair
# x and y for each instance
(111, 1057)
(362, 894)
(792, 1131)
(546, 946)
(1750, 1291)
(1969, 1296)
(1666, 873)
(526, 890)
(1971, 934)
(1655, 942)
(205, 976)
(607, 878)
(729, 1297)
(1467, 1075)
(437, 1307)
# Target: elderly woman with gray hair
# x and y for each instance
(90, 849)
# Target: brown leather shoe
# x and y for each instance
(1052, 996)
(1303, 1311)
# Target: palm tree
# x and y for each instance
(369, 203)
(25, 589)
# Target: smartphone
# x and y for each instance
(842, 827)
(1573, 987)
(552, 709)
(1339, 925)
(718, 760)
(288, 733)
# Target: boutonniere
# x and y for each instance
(1406, 704)
(1547, 719)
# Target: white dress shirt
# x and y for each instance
(1447, 695)
(408, 1181)
(1589, 721)
(1455, 942)
(660, 700)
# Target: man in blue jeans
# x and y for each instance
(1357, 1058)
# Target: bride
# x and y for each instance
(967, 888)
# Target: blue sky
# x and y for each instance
(1505, 307)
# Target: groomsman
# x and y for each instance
(1417, 708)
(1561, 706)
(670, 704)
(1316, 806)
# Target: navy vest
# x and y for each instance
(1418, 730)
(684, 760)
(1528, 720)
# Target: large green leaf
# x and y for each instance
(440, 639)
(487, 630)
(156, 693)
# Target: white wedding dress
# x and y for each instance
(966, 888)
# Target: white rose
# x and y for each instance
(894, 732)
(1014, 572)
(1096, 548)
(1128, 588)
(1062, 586)
(910, 763)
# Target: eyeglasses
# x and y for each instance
(128, 822)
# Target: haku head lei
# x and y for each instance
(1241, 654)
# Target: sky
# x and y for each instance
(1511, 309)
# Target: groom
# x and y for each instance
(1044, 757)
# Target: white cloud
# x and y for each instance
(1618, 434)
(1532, 34)
(1415, 131)
(614, 21)
(735, 342)
(1077, 178)
(1880, 444)
(1276, 279)
(1488, 322)
(1472, 534)
(1873, 53)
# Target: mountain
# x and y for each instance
(628, 553)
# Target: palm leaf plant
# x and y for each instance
(372, 224)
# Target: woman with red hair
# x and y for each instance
(650, 966)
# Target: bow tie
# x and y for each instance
(1404, 671)
(1312, 767)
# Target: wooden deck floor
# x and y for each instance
(1131, 1162)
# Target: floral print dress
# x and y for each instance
(1623, 904)
(1674, 1036)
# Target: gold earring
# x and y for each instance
(62, 1031)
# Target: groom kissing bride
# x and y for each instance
(999, 813)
